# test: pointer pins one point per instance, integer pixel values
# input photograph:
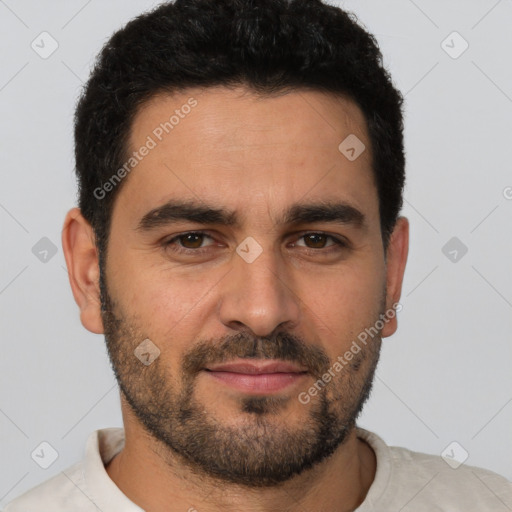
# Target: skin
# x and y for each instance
(257, 157)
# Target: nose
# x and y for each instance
(259, 296)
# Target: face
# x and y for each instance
(248, 249)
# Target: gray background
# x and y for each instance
(445, 376)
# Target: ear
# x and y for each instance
(78, 243)
(396, 258)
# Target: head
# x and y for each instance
(240, 170)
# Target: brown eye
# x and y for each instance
(319, 241)
(191, 243)
(315, 240)
(191, 240)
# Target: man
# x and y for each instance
(239, 243)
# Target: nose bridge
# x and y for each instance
(259, 294)
(263, 276)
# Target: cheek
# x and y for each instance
(345, 302)
(173, 307)
(150, 286)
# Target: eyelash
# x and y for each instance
(338, 243)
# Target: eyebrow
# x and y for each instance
(303, 213)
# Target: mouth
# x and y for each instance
(257, 377)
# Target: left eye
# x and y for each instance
(318, 241)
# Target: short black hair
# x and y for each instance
(269, 46)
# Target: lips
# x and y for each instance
(263, 377)
(257, 368)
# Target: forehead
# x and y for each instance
(254, 153)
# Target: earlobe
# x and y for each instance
(78, 243)
(397, 252)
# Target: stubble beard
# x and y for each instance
(260, 450)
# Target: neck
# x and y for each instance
(339, 483)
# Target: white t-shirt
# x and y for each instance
(405, 481)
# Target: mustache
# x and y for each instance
(283, 346)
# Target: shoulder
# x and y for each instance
(420, 481)
(82, 487)
(59, 493)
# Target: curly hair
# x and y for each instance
(268, 46)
